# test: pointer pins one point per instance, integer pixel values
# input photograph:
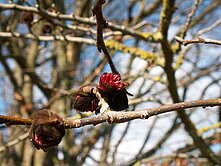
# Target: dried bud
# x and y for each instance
(85, 100)
(27, 18)
(113, 91)
(47, 129)
(47, 28)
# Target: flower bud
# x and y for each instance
(84, 100)
(47, 129)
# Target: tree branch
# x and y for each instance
(120, 116)
(48, 38)
(8, 121)
(87, 21)
(199, 40)
(166, 15)
(14, 142)
(101, 24)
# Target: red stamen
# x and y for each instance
(101, 88)
(77, 97)
(38, 140)
(110, 80)
(92, 105)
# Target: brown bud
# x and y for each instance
(117, 101)
(27, 18)
(26, 108)
(47, 129)
(47, 28)
(84, 100)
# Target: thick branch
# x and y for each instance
(166, 15)
(120, 116)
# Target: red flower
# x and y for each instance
(113, 91)
(110, 82)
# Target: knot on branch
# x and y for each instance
(145, 116)
(47, 129)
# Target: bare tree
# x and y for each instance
(80, 72)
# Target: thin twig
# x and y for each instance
(148, 135)
(119, 142)
(101, 24)
(87, 21)
(199, 40)
(14, 142)
(14, 121)
(48, 38)
(218, 22)
(190, 17)
(170, 156)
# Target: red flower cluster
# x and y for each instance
(110, 82)
(111, 89)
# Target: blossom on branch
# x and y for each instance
(110, 88)
(114, 91)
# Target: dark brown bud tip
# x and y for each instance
(47, 130)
